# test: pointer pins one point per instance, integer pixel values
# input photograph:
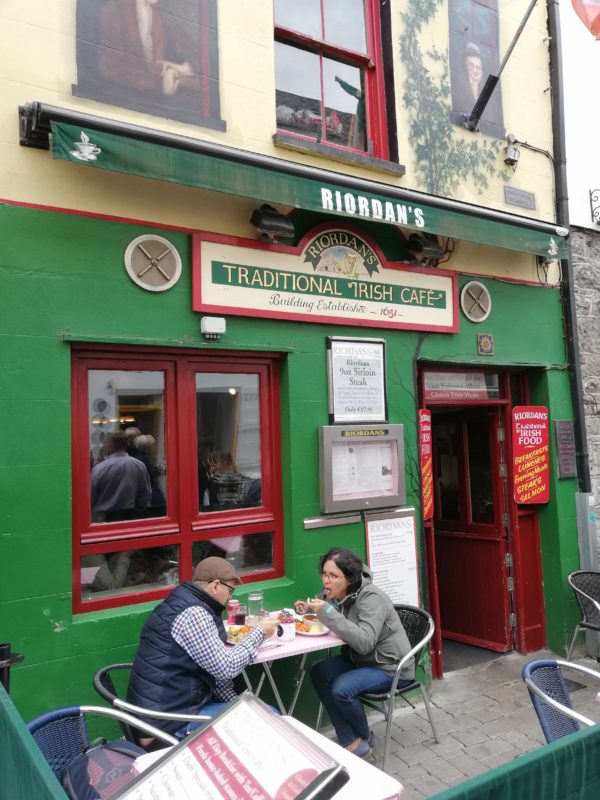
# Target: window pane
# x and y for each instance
(300, 15)
(229, 465)
(298, 84)
(480, 474)
(250, 553)
(345, 24)
(344, 104)
(127, 445)
(111, 574)
(446, 462)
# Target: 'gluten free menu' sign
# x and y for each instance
(531, 462)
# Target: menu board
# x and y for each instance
(531, 463)
(246, 753)
(426, 456)
(363, 468)
(356, 379)
(392, 555)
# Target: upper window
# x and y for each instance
(175, 458)
(328, 73)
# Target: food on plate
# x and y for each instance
(310, 624)
(235, 633)
(285, 618)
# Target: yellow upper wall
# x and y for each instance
(38, 62)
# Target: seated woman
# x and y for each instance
(364, 617)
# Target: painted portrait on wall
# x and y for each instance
(159, 57)
(473, 56)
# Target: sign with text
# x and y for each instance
(456, 385)
(392, 555)
(531, 461)
(334, 276)
(248, 752)
(566, 451)
(426, 455)
(356, 379)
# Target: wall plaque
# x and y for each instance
(566, 451)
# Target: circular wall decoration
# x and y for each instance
(153, 263)
(475, 301)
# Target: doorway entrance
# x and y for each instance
(471, 527)
(484, 569)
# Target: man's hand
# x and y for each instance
(268, 625)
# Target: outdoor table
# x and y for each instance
(273, 650)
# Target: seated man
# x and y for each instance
(182, 663)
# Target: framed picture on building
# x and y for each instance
(158, 57)
(356, 374)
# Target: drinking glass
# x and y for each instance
(255, 605)
(239, 618)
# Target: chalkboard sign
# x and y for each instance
(566, 452)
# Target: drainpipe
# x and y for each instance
(566, 264)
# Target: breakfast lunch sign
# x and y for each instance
(332, 275)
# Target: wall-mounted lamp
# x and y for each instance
(212, 328)
(272, 224)
(425, 246)
(511, 151)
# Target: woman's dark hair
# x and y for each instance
(349, 563)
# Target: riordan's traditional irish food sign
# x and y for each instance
(332, 276)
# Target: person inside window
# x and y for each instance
(364, 617)
(120, 485)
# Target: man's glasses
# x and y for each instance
(231, 588)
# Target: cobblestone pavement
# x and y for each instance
(484, 718)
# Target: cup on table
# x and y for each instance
(286, 630)
(239, 617)
(255, 606)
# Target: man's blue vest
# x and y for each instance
(164, 677)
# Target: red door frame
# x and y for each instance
(523, 537)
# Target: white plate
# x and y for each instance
(313, 633)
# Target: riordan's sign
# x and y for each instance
(333, 276)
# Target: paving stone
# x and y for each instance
(471, 736)
(444, 770)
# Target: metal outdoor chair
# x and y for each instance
(586, 585)
(105, 686)
(62, 734)
(419, 627)
(550, 696)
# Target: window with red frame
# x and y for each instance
(329, 73)
(175, 458)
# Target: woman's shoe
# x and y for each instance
(360, 748)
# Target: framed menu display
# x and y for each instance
(247, 752)
(356, 379)
(392, 554)
(361, 466)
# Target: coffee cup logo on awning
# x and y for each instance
(85, 150)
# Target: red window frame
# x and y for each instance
(184, 523)
(372, 67)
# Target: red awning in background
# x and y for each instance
(588, 12)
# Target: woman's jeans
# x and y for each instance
(337, 683)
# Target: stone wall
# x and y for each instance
(585, 245)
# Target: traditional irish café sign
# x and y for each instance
(531, 458)
(426, 463)
(332, 276)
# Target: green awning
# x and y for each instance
(280, 183)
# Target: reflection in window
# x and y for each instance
(110, 574)
(127, 445)
(250, 553)
(320, 93)
(480, 474)
(446, 461)
(228, 424)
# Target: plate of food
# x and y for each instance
(235, 633)
(309, 625)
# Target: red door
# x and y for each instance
(471, 527)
